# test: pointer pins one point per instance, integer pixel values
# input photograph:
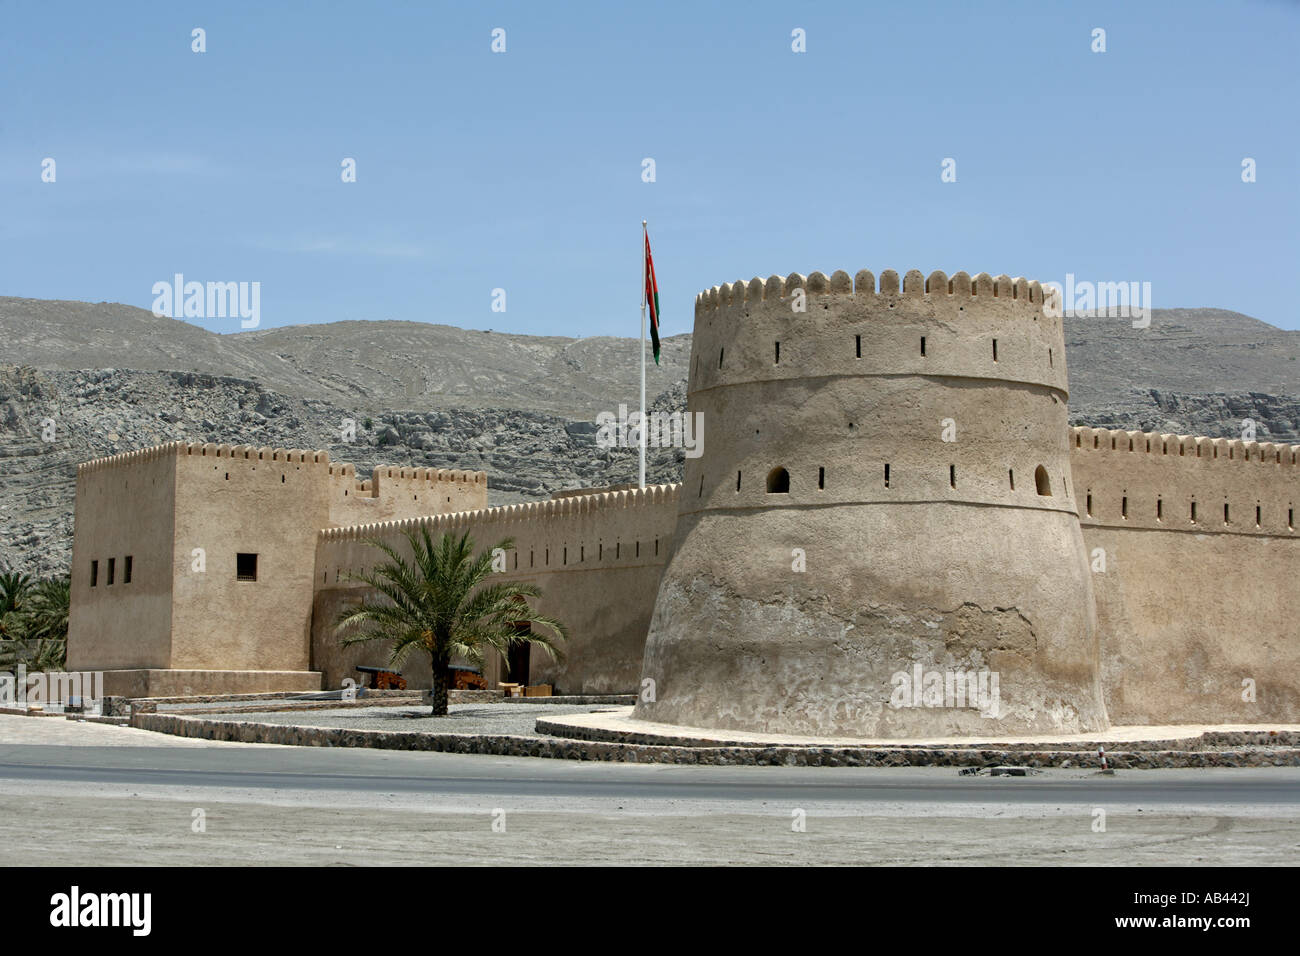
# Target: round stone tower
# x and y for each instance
(880, 538)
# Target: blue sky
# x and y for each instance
(522, 170)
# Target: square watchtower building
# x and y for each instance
(193, 564)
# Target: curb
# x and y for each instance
(568, 749)
(1209, 740)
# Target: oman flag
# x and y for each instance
(651, 297)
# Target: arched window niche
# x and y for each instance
(1042, 483)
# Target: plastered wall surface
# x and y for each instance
(911, 426)
(1196, 615)
(184, 512)
(125, 506)
(597, 559)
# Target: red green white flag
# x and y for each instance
(652, 297)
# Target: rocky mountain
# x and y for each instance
(78, 381)
(362, 366)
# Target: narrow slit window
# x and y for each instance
(1160, 510)
(886, 474)
(1011, 477)
(1225, 513)
(1193, 512)
(737, 481)
(112, 562)
(1257, 515)
(952, 476)
(923, 345)
(778, 354)
(129, 560)
(1088, 506)
(821, 478)
(720, 351)
(1123, 507)
(94, 574)
(858, 345)
(995, 350)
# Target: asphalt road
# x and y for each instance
(93, 795)
(358, 771)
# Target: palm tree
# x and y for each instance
(34, 619)
(436, 600)
(35, 654)
(45, 616)
(14, 588)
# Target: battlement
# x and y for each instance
(912, 285)
(205, 450)
(651, 496)
(993, 329)
(409, 475)
(385, 473)
(1183, 446)
(1130, 479)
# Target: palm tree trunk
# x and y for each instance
(440, 681)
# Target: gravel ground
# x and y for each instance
(514, 719)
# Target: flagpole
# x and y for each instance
(645, 238)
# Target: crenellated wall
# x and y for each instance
(596, 557)
(905, 441)
(1191, 605)
(889, 480)
(855, 351)
(397, 492)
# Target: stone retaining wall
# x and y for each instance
(515, 746)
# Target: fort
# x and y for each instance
(890, 484)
